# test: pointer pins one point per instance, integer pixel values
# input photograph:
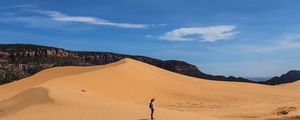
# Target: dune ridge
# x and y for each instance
(122, 90)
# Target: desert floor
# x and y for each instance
(122, 90)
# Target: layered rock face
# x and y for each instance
(18, 61)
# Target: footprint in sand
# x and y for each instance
(83, 90)
(284, 110)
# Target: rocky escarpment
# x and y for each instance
(291, 76)
(18, 61)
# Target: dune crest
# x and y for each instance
(122, 90)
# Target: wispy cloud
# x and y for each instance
(289, 41)
(24, 6)
(206, 34)
(19, 6)
(60, 18)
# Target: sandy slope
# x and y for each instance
(122, 90)
(292, 86)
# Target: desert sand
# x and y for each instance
(122, 90)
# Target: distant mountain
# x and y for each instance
(258, 79)
(291, 76)
(18, 61)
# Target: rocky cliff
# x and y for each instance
(18, 61)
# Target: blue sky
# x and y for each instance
(248, 38)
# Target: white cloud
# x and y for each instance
(207, 34)
(58, 16)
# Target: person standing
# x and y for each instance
(151, 106)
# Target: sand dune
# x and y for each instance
(123, 89)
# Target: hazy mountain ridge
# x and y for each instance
(291, 76)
